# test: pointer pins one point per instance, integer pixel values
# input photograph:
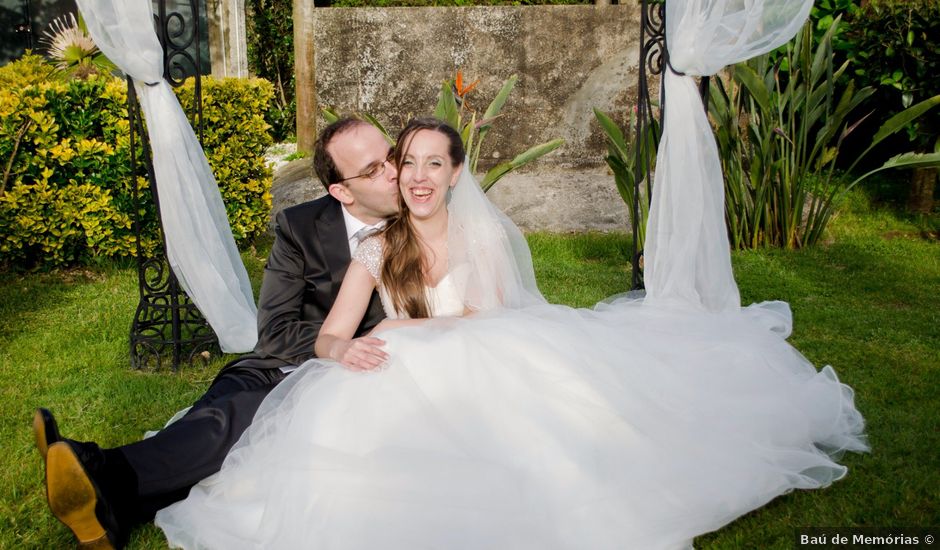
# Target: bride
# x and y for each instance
(480, 416)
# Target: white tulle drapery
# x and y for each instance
(200, 247)
(488, 256)
(688, 261)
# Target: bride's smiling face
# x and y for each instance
(426, 173)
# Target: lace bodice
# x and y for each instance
(444, 299)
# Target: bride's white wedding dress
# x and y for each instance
(624, 426)
(638, 424)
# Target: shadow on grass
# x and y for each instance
(23, 296)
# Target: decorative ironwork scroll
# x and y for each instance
(166, 325)
(182, 52)
(653, 59)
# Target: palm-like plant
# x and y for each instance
(622, 157)
(72, 50)
(779, 135)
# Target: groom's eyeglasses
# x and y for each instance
(375, 170)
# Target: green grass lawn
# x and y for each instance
(867, 302)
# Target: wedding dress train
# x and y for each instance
(546, 427)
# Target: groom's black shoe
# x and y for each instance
(74, 491)
(45, 430)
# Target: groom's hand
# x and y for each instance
(360, 354)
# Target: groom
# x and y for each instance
(101, 494)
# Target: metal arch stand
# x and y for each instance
(654, 59)
(166, 325)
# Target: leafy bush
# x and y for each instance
(234, 138)
(25, 71)
(67, 195)
(65, 188)
(895, 46)
(270, 35)
(779, 139)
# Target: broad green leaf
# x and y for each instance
(898, 122)
(904, 160)
(754, 85)
(446, 109)
(330, 115)
(494, 174)
(613, 132)
(529, 155)
(901, 119)
(497, 104)
(536, 151)
(375, 122)
(823, 56)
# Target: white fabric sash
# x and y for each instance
(687, 253)
(200, 247)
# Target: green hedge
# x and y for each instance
(235, 136)
(66, 194)
(270, 36)
(895, 47)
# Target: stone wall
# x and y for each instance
(569, 59)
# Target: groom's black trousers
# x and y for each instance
(167, 465)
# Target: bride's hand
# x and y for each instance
(360, 354)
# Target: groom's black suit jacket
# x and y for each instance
(301, 281)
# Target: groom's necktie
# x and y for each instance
(368, 231)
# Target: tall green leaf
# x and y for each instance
(898, 122)
(521, 159)
(375, 122)
(446, 109)
(330, 115)
(754, 84)
(614, 135)
(904, 160)
(497, 104)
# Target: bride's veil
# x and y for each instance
(488, 256)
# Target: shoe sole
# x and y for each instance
(72, 497)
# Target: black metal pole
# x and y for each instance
(166, 321)
(646, 139)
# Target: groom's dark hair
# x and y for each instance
(323, 163)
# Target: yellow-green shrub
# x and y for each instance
(27, 70)
(67, 196)
(234, 137)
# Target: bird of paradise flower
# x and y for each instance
(453, 106)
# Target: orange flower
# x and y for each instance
(458, 83)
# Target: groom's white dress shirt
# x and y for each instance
(357, 230)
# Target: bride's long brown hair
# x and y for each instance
(404, 266)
